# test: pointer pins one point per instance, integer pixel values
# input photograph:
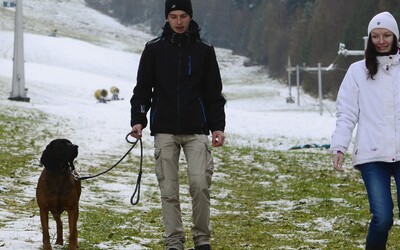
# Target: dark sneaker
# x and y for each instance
(203, 247)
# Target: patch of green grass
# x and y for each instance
(12, 143)
(289, 199)
(101, 225)
(18, 138)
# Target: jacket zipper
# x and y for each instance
(189, 65)
(179, 85)
(155, 111)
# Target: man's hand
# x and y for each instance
(338, 160)
(137, 131)
(218, 138)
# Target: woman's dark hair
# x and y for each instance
(370, 55)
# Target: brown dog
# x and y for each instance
(57, 191)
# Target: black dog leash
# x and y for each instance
(139, 178)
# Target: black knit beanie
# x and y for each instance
(185, 5)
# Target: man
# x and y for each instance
(179, 80)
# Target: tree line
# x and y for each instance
(268, 32)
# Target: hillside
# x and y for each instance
(269, 31)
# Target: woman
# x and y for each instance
(369, 97)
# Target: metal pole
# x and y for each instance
(18, 92)
(298, 84)
(365, 42)
(289, 79)
(320, 88)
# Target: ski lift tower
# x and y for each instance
(18, 91)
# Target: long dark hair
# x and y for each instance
(370, 55)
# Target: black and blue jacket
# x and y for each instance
(179, 80)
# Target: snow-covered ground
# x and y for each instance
(93, 51)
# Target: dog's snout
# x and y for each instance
(74, 150)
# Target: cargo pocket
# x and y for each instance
(159, 167)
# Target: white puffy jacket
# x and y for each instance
(372, 105)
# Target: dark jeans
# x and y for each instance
(377, 180)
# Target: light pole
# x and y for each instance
(18, 91)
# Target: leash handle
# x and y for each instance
(137, 190)
(139, 178)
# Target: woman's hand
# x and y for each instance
(338, 160)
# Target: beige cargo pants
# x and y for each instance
(199, 169)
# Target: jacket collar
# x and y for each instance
(388, 60)
(181, 40)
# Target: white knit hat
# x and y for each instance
(384, 20)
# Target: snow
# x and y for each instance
(94, 52)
